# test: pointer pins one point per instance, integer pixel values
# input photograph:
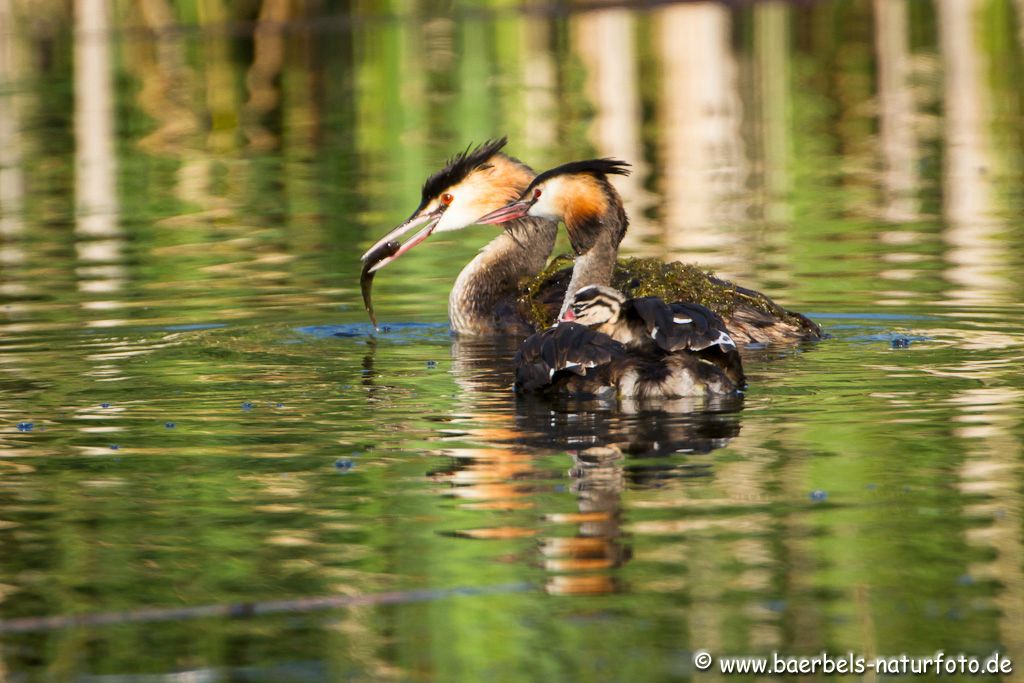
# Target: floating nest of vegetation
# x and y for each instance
(542, 296)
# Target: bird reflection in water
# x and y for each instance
(612, 445)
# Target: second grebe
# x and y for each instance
(579, 195)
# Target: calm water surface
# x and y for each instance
(194, 411)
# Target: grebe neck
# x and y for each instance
(595, 267)
(485, 292)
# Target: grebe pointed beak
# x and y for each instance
(428, 221)
(568, 316)
(509, 212)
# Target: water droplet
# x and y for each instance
(170, 425)
(247, 406)
(431, 363)
(25, 426)
(900, 343)
(818, 495)
(279, 405)
(104, 405)
(343, 464)
(114, 447)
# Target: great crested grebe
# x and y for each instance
(641, 348)
(484, 297)
(579, 195)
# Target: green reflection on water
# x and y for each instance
(861, 162)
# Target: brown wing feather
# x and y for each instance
(678, 326)
(568, 348)
(688, 328)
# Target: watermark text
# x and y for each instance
(776, 664)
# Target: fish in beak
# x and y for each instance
(427, 220)
(380, 252)
(388, 248)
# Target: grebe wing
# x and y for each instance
(567, 347)
(678, 326)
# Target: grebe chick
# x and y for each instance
(631, 348)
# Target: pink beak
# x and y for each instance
(506, 213)
(568, 316)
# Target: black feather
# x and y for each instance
(458, 169)
(588, 294)
(599, 168)
(708, 338)
(727, 360)
(547, 357)
(703, 329)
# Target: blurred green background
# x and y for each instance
(193, 410)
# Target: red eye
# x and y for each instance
(536, 194)
(447, 198)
